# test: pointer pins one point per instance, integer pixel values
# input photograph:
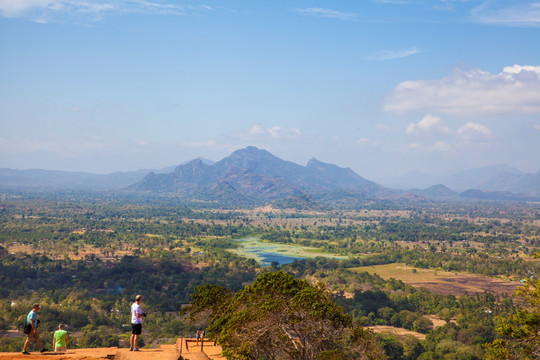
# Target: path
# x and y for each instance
(164, 352)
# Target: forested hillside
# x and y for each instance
(84, 258)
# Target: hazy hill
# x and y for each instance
(39, 179)
(475, 178)
(412, 179)
(51, 179)
(439, 191)
(517, 183)
(256, 175)
(476, 194)
(502, 178)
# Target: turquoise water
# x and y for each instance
(265, 253)
(268, 258)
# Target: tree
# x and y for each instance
(520, 333)
(279, 317)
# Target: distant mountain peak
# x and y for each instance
(313, 161)
(252, 151)
(260, 176)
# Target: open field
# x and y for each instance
(59, 253)
(400, 332)
(442, 282)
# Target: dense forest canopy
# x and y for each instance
(84, 258)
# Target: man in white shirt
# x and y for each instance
(136, 323)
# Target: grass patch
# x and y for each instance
(441, 282)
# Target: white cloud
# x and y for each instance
(46, 8)
(429, 125)
(367, 141)
(514, 90)
(473, 130)
(413, 146)
(363, 141)
(143, 143)
(394, 54)
(275, 132)
(520, 13)
(441, 146)
(392, 1)
(13, 8)
(77, 10)
(326, 13)
(536, 127)
(209, 144)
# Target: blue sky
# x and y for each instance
(380, 86)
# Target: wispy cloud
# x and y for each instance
(367, 141)
(326, 13)
(510, 13)
(515, 90)
(210, 145)
(82, 10)
(275, 132)
(432, 126)
(59, 145)
(435, 4)
(438, 147)
(441, 146)
(392, 1)
(473, 130)
(385, 127)
(393, 54)
(429, 125)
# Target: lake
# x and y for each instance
(265, 253)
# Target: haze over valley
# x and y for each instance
(304, 180)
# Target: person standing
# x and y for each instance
(32, 320)
(60, 339)
(136, 323)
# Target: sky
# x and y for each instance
(381, 86)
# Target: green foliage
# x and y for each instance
(392, 346)
(99, 336)
(208, 301)
(10, 344)
(277, 317)
(520, 333)
(85, 257)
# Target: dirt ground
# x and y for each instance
(165, 352)
(400, 332)
(75, 354)
(461, 285)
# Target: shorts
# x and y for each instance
(136, 329)
(59, 348)
(33, 336)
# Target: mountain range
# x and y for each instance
(255, 176)
(493, 178)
